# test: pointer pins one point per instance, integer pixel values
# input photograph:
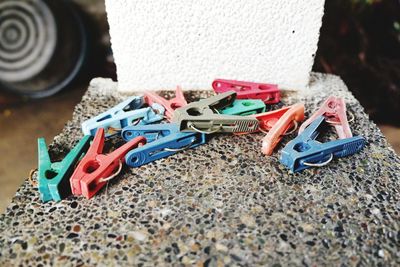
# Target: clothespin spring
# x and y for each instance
(182, 148)
(319, 164)
(268, 99)
(191, 125)
(338, 123)
(30, 177)
(113, 175)
(293, 129)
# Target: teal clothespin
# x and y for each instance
(244, 107)
(53, 178)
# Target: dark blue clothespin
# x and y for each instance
(304, 151)
(129, 112)
(163, 140)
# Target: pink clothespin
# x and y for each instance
(280, 127)
(169, 105)
(268, 93)
(334, 110)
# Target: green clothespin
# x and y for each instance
(244, 107)
(53, 178)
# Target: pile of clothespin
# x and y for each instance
(238, 107)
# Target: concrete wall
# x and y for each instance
(158, 44)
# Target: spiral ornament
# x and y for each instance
(28, 38)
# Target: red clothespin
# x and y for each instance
(334, 110)
(292, 114)
(169, 105)
(269, 93)
(95, 169)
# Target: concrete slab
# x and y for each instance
(221, 203)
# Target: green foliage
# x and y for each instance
(364, 2)
(396, 26)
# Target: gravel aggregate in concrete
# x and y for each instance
(220, 204)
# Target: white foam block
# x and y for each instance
(159, 44)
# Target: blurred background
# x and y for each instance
(50, 50)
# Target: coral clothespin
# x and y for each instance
(53, 178)
(169, 105)
(334, 110)
(133, 110)
(244, 107)
(95, 168)
(293, 114)
(267, 120)
(203, 116)
(166, 140)
(268, 93)
(304, 151)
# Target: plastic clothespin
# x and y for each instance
(95, 169)
(304, 151)
(167, 140)
(268, 93)
(334, 109)
(267, 119)
(203, 117)
(131, 111)
(151, 132)
(244, 107)
(293, 114)
(169, 105)
(53, 178)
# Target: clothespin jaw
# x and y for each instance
(95, 168)
(305, 152)
(244, 107)
(164, 146)
(203, 117)
(268, 119)
(169, 105)
(53, 180)
(294, 114)
(268, 93)
(334, 109)
(131, 111)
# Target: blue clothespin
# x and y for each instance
(131, 111)
(304, 151)
(53, 177)
(244, 107)
(150, 132)
(166, 140)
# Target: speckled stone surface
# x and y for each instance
(222, 203)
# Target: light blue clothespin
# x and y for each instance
(131, 111)
(163, 140)
(244, 107)
(304, 151)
